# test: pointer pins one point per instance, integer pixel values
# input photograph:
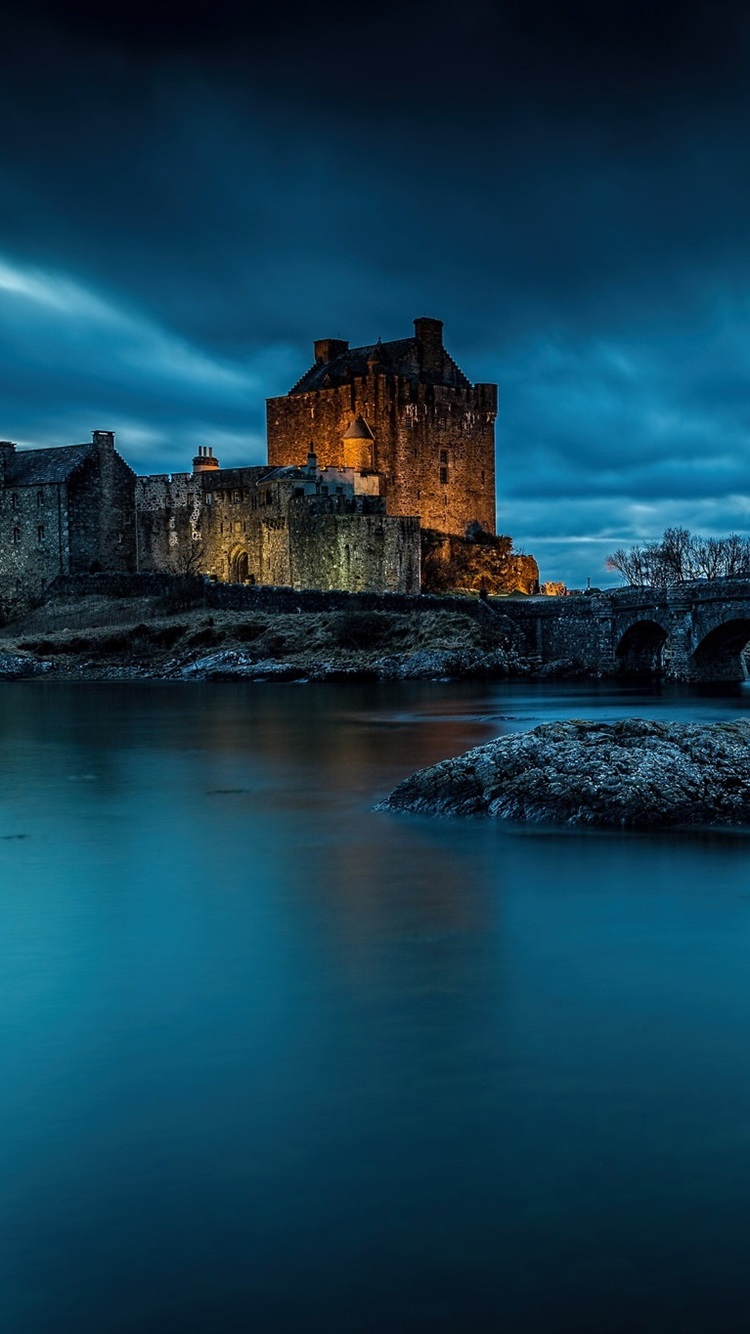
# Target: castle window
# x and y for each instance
(120, 539)
(444, 456)
(15, 500)
(40, 533)
(208, 499)
(39, 499)
(482, 474)
(444, 476)
(236, 497)
(16, 535)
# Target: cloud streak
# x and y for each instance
(183, 213)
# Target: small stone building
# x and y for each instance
(302, 527)
(64, 510)
(403, 409)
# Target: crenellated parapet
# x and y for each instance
(429, 431)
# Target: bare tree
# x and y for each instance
(188, 559)
(679, 557)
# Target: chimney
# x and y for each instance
(7, 451)
(103, 439)
(328, 348)
(204, 460)
(429, 336)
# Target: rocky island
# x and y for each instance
(631, 774)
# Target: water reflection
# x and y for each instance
(272, 1059)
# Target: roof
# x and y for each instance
(35, 467)
(401, 357)
(359, 430)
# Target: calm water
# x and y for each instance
(272, 1061)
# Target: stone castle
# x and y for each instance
(403, 410)
(370, 447)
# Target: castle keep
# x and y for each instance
(404, 410)
(371, 446)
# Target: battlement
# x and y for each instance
(422, 424)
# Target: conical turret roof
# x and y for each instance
(359, 430)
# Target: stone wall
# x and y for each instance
(199, 522)
(434, 443)
(101, 515)
(36, 539)
(196, 590)
(358, 552)
(81, 521)
(240, 525)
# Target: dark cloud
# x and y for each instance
(190, 197)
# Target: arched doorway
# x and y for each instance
(721, 654)
(642, 650)
(239, 567)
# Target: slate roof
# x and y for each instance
(359, 430)
(35, 467)
(401, 357)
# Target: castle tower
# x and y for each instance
(358, 444)
(404, 409)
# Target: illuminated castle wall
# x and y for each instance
(402, 409)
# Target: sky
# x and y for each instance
(190, 196)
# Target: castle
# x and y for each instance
(404, 410)
(371, 446)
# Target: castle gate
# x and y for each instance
(239, 566)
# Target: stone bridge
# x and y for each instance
(690, 632)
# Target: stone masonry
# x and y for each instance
(299, 527)
(403, 442)
(402, 409)
(65, 510)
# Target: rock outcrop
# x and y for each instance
(631, 774)
(424, 665)
(14, 667)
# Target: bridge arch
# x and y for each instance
(720, 655)
(642, 649)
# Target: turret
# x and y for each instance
(358, 441)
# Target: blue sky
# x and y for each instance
(185, 208)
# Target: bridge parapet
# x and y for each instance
(692, 631)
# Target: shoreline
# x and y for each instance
(106, 639)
